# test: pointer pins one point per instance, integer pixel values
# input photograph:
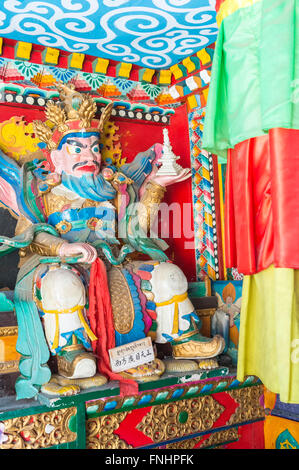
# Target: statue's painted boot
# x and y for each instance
(54, 389)
(192, 345)
(74, 362)
(61, 386)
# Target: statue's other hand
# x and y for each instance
(87, 253)
(166, 180)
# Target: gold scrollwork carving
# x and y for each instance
(249, 404)
(100, 432)
(8, 367)
(8, 331)
(39, 431)
(178, 419)
(217, 438)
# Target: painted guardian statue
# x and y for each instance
(80, 290)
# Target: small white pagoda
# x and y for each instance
(169, 166)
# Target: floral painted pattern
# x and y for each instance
(62, 74)
(27, 69)
(27, 72)
(94, 80)
(152, 90)
(124, 85)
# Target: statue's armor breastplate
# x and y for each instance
(78, 219)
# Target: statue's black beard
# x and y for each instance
(89, 186)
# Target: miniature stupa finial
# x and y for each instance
(168, 159)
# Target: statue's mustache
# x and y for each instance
(77, 165)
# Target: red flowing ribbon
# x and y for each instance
(101, 322)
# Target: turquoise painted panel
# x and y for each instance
(177, 393)
(285, 440)
(192, 391)
(197, 289)
(110, 405)
(6, 305)
(92, 409)
(129, 401)
(220, 387)
(145, 399)
(206, 388)
(161, 396)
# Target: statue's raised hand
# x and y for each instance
(166, 180)
(87, 253)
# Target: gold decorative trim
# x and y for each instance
(8, 331)
(39, 431)
(74, 346)
(205, 312)
(9, 367)
(63, 226)
(217, 438)
(100, 432)
(51, 249)
(121, 301)
(94, 223)
(91, 203)
(180, 418)
(207, 282)
(187, 335)
(248, 399)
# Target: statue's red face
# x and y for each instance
(78, 156)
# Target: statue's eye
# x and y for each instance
(77, 149)
(96, 149)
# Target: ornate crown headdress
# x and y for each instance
(67, 118)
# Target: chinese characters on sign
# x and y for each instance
(131, 355)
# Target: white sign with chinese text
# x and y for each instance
(131, 355)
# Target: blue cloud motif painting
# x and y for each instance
(150, 33)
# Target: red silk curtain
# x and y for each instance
(262, 202)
